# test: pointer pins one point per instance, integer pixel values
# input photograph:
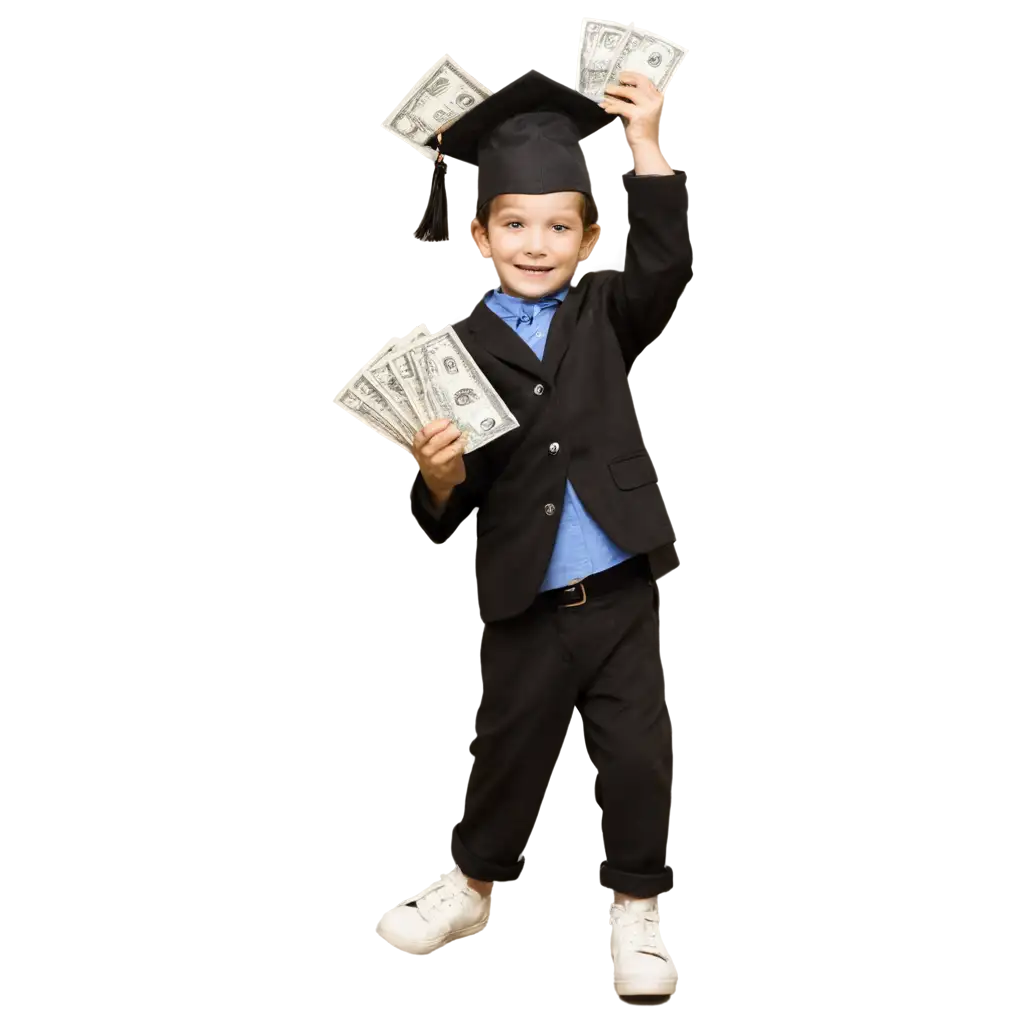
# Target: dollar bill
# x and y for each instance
(440, 97)
(392, 387)
(384, 350)
(392, 372)
(434, 407)
(365, 388)
(649, 54)
(365, 413)
(455, 389)
(405, 369)
(408, 373)
(600, 42)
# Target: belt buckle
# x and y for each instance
(576, 604)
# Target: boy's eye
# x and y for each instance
(518, 223)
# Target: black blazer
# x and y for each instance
(575, 413)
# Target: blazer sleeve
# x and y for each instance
(464, 498)
(659, 260)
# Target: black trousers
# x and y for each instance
(603, 658)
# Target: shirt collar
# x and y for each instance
(514, 306)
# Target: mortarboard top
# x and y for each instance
(525, 140)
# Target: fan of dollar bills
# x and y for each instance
(424, 377)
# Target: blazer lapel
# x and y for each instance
(560, 333)
(500, 340)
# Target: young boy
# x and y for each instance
(572, 531)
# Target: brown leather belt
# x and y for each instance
(577, 594)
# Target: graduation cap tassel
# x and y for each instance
(434, 226)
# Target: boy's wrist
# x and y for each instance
(439, 497)
(648, 159)
(431, 497)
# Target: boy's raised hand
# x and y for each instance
(438, 449)
(638, 102)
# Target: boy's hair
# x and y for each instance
(588, 211)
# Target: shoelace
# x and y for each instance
(431, 899)
(631, 918)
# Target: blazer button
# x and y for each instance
(553, 447)
(539, 389)
(549, 509)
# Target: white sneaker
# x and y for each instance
(642, 964)
(447, 909)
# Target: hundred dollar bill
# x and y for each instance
(600, 41)
(440, 97)
(650, 54)
(364, 412)
(456, 389)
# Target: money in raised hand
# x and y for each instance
(600, 41)
(646, 53)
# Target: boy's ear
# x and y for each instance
(595, 243)
(476, 238)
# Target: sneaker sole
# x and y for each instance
(639, 987)
(427, 946)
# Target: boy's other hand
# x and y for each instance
(438, 449)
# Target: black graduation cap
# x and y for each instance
(525, 139)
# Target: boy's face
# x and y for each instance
(535, 231)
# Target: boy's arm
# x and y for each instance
(659, 260)
(440, 523)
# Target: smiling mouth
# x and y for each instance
(533, 270)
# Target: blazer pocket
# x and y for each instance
(633, 471)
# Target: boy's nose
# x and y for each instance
(536, 245)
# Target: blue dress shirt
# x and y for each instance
(581, 546)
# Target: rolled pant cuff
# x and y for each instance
(633, 884)
(480, 869)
